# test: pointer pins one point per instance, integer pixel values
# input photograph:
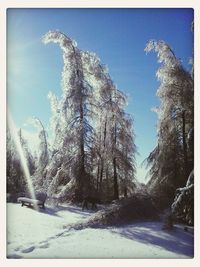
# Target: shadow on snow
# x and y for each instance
(175, 240)
(54, 210)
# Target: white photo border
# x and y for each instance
(4, 5)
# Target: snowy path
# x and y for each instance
(33, 234)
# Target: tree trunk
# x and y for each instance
(116, 189)
(125, 192)
(107, 181)
(98, 176)
(82, 150)
(185, 156)
(103, 154)
(82, 182)
(101, 174)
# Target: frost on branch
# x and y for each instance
(42, 153)
(165, 54)
(60, 38)
(93, 148)
(183, 205)
(172, 159)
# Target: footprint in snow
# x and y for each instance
(28, 250)
(18, 249)
(46, 245)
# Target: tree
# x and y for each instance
(169, 160)
(27, 153)
(16, 181)
(43, 146)
(74, 109)
(43, 153)
(183, 205)
(113, 132)
(88, 124)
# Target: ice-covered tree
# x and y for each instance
(42, 157)
(16, 181)
(113, 132)
(87, 122)
(27, 153)
(183, 205)
(123, 148)
(169, 161)
(74, 111)
(15, 176)
(126, 150)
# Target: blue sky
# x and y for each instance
(117, 36)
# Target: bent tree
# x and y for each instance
(172, 159)
(93, 148)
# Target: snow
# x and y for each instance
(32, 234)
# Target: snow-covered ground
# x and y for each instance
(33, 234)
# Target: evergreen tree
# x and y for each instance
(75, 107)
(169, 160)
(42, 157)
(88, 124)
(16, 181)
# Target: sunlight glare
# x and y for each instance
(23, 160)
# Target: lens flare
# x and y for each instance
(13, 132)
